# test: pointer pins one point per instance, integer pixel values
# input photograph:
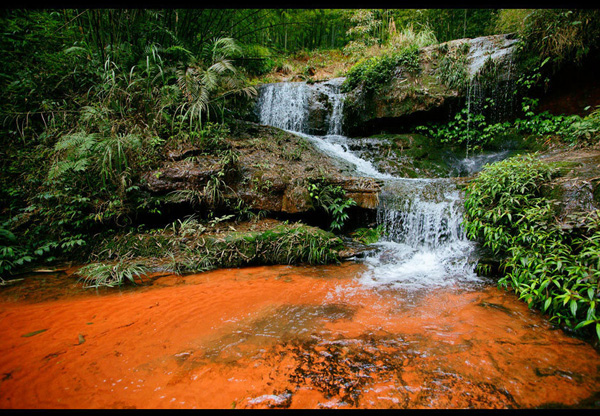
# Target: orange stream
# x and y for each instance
(283, 336)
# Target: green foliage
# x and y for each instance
(375, 72)
(367, 28)
(582, 130)
(450, 23)
(110, 275)
(511, 20)
(190, 249)
(368, 235)
(333, 200)
(12, 256)
(559, 35)
(94, 108)
(257, 59)
(205, 83)
(453, 67)
(466, 128)
(411, 37)
(475, 131)
(554, 269)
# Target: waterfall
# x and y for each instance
(491, 76)
(284, 105)
(424, 244)
(287, 105)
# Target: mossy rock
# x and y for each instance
(405, 155)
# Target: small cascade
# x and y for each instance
(491, 84)
(337, 146)
(302, 107)
(284, 105)
(470, 165)
(337, 99)
(483, 48)
(424, 244)
(291, 107)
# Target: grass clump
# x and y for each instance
(367, 235)
(453, 66)
(555, 269)
(186, 248)
(110, 275)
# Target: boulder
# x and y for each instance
(577, 189)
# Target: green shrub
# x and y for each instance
(554, 269)
(333, 200)
(258, 60)
(585, 130)
(377, 71)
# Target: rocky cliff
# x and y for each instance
(448, 75)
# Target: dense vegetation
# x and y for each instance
(554, 266)
(91, 98)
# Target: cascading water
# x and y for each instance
(423, 244)
(287, 105)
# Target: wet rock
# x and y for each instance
(272, 172)
(296, 199)
(182, 174)
(405, 155)
(318, 114)
(577, 188)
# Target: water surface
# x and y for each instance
(288, 337)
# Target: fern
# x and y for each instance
(73, 153)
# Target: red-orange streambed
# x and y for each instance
(288, 337)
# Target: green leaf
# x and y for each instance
(573, 307)
(584, 323)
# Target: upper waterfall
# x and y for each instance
(301, 107)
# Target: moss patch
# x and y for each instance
(408, 155)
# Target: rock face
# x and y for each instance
(272, 173)
(405, 155)
(447, 75)
(577, 189)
